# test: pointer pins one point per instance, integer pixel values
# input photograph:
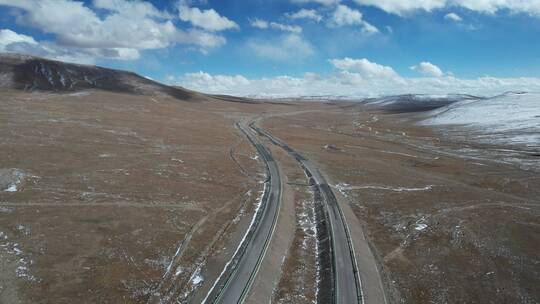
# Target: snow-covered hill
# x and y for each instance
(511, 118)
(416, 102)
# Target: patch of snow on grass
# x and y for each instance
(196, 277)
(179, 271)
(343, 186)
(10, 179)
(5, 210)
(23, 229)
(420, 227)
(12, 188)
(79, 94)
(23, 262)
(23, 271)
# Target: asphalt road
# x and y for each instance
(234, 284)
(347, 285)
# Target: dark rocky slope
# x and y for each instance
(37, 74)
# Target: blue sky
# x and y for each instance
(365, 47)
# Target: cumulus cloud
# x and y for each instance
(365, 68)
(207, 19)
(353, 78)
(213, 83)
(259, 23)
(427, 68)
(346, 16)
(9, 38)
(305, 14)
(263, 24)
(286, 47)
(323, 2)
(453, 17)
(133, 8)
(286, 27)
(402, 7)
(348, 84)
(11, 41)
(120, 31)
(343, 15)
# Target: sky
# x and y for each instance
(281, 48)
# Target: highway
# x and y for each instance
(347, 285)
(235, 282)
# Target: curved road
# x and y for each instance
(347, 285)
(235, 282)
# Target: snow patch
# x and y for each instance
(10, 179)
(12, 188)
(79, 94)
(196, 277)
(341, 187)
(5, 210)
(420, 227)
(23, 229)
(509, 118)
(179, 271)
(23, 261)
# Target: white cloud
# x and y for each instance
(9, 38)
(207, 19)
(531, 7)
(403, 7)
(343, 15)
(305, 14)
(133, 8)
(346, 16)
(349, 84)
(323, 2)
(368, 28)
(259, 23)
(365, 68)
(120, 31)
(263, 24)
(428, 68)
(213, 83)
(355, 78)
(11, 41)
(286, 47)
(286, 27)
(453, 17)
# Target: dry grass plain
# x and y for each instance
(125, 198)
(138, 199)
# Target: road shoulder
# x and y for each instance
(271, 269)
